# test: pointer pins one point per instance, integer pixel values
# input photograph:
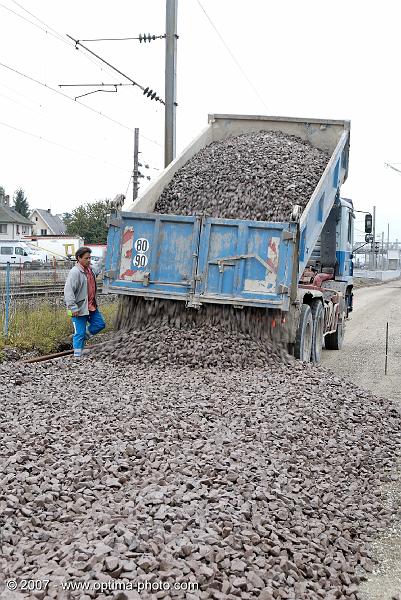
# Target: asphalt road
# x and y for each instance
(362, 361)
(362, 357)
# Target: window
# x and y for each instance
(6, 250)
(36, 218)
(19, 251)
(3, 227)
(17, 229)
(43, 232)
(23, 229)
(350, 228)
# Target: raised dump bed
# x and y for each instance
(203, 259)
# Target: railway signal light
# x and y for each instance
(368, 223)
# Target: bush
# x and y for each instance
(43, 327)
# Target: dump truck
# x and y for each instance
(299, 270)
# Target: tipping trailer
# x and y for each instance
(300, 270)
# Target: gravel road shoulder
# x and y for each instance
(362, 361)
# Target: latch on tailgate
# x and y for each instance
(288, 235)
(221, 261)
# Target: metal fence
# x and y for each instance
(22, 289)
(27, 296)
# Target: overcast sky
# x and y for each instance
(305, 58)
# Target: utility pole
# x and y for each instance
(388, 241)
(135, 173)
(374, 238)
(382, 260)
(170, 82)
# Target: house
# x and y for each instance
(12, 224)
(44, 223)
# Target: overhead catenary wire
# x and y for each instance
(19, 103)
(129, 183)
(51, 31)
(233, 56)
(18, 93)
(30, 108)
(52, 142)
(56, 91)
(47, 30)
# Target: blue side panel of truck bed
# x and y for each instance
(245, 262)
(201, 259)
(156, 255)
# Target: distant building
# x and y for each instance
(12, 224)
(44, 223)
(394, 259)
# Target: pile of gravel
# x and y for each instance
(258, 176)
(166, 332)
(254, 483)
(190, 452)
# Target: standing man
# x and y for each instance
(80, 298)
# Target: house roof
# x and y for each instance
(9, 215)
(54, 223)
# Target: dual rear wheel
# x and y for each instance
(309, 338)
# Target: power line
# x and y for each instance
(22, 95)
(56, 91)
(129, 183)
(18, 103)
(39, 137)
(233, 56)
(57, 34)
(49, 30)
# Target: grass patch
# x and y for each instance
(43, 327)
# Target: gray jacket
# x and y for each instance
(76, 292)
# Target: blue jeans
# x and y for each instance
(96, 324)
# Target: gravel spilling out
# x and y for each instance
(258, 176)
(252, 483)
(166, 332)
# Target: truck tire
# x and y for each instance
(334, 341)
(318, 331)
(303, 340)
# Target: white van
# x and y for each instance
(18, 253)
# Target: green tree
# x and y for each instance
(2, 189)
(89, 221)
(21, 203)
(66, 218)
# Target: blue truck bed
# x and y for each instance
(201, 259)
(238, 262)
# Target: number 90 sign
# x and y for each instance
(141, 246)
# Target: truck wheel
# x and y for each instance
(303, 340)
(318, 331)
(334, 341)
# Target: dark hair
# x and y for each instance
(81, 251)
